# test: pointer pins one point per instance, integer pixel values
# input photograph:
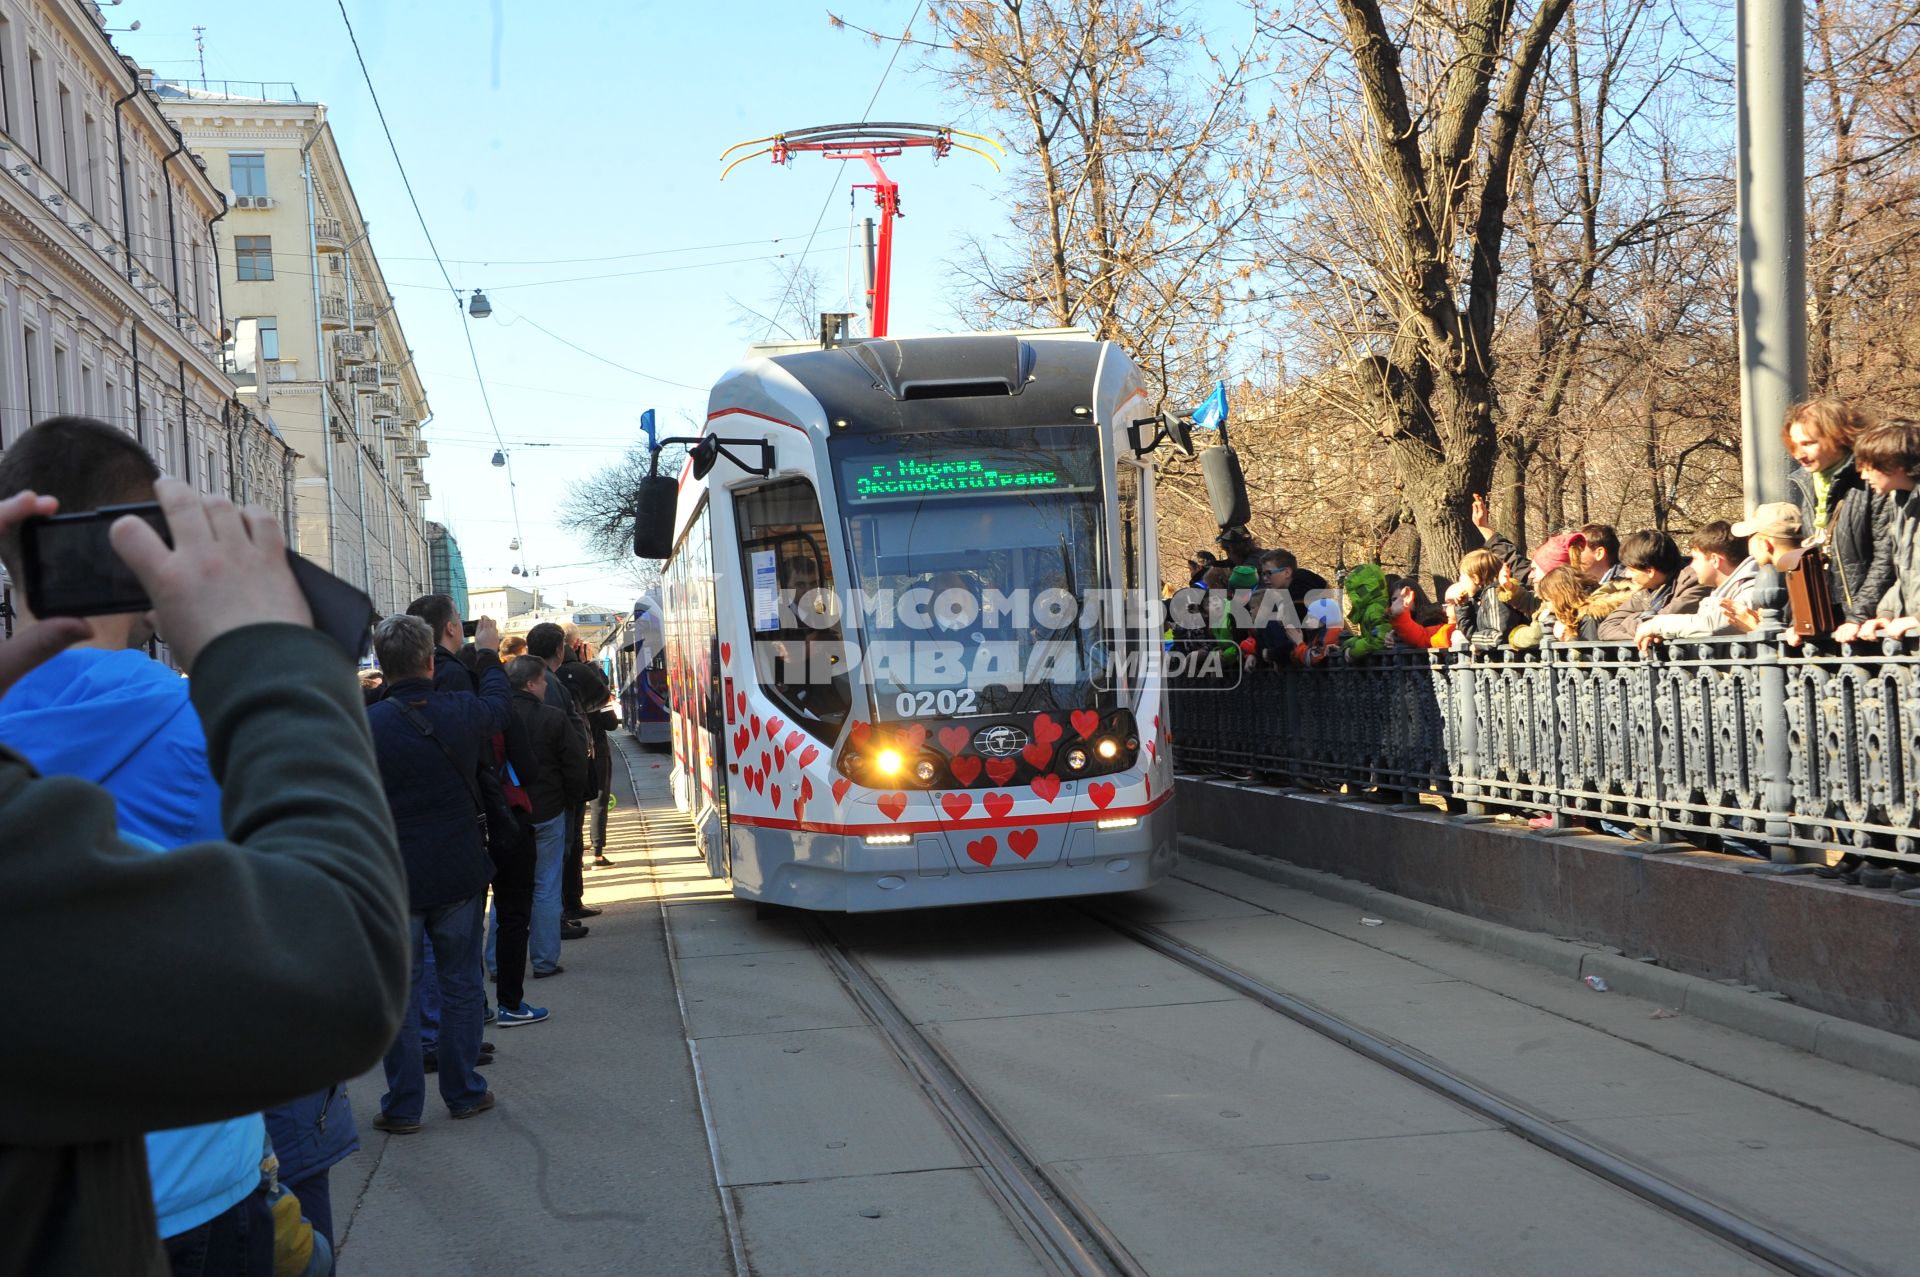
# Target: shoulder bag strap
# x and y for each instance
(425, 728)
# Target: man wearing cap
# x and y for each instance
(1237, 548)
(1774, 539)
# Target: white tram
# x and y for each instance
(886, 687)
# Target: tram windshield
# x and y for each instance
(973, 553)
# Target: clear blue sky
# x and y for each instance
(534, 132)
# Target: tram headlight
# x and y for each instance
(924, 771)
(1108, 748)
(1076, 759)
(888, 762)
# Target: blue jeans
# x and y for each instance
(549, 863)
(454, 932)
(237, 1243)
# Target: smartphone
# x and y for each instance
(70, 569)
(471, 628)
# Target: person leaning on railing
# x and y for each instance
(1888, 459)
(1661, 585)
(1837, 509)
(1713, 550)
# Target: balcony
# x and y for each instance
(394, 428)
(383, 405)
(389, 374)
(279, 370)
(365, 314)
(351, 348)
(333, 312)
(365, 379)
(326, 235)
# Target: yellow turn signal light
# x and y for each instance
(888, 762)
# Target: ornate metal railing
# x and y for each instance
(1775, 748)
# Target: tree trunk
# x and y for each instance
(1508, 499)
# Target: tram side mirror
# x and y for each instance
(653, 510)
(1179, 433)
(1226, 486)
(705, 454)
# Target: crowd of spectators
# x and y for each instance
(1853, 502)
(344, 834)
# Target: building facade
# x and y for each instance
(110, 300)
(317, 345)
(449, 569)
(501, 602)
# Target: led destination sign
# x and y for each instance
(904, 477)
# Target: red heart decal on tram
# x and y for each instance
(965, 769)
(893, 804)
(753, 721)
(1021, 842)
(799, 807)
(1037, 754)
(766, 764)
(773, 727)
(1156, 722)
(776, 797)
(858, 732)
(740, 701)
(806, 787)
(1101, 792)
(1146, 786)
(1153, 751)
(726, 653)
(1000, 770)
(955, 805)
(806, 758)
(954, 739)
(997, 805)
(1085, 721)
(793, 741)
(747, 778)
(982, 850)
(1047, 786)
(779, 759)
(914, 736)
(1045, 730)
(739, 740)
(840, 788)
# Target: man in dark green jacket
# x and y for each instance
(222, 978)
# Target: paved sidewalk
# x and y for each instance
(596, 1160)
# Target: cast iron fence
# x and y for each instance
(1778, 749)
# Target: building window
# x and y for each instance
(269, 337)
(90, 135)
(86, 389)
(247, 170)
(29, 339)
(6, 47)
(33, 88)
(60, 395)
(253, 257)
(69, 165)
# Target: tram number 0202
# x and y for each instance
(946, 704)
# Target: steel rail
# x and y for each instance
(1067, 1235)
(1534, 1127)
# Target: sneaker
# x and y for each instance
(1847, 864)
(485, 1103)
(488, 1017)
(523, 1014)
(1880, 876)
(396, 1125)
(602, 862)
(538, 974)
(573, 930)
(584, 911)
(1905, 880)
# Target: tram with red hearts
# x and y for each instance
(910, 624)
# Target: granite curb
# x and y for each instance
(1742, 1008)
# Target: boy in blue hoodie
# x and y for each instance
(106, 712)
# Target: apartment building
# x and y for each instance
(318, 347)
(109, 282)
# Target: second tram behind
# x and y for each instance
(634, 658)
(887, 688)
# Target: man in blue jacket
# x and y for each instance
(106, 712)
(429, 745)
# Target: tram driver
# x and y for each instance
(809, 654)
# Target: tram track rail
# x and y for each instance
(1536, 1128)
(1071, 1238)
(1068, 1236)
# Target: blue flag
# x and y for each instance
(646, 424)
(1211, 414)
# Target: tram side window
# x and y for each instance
(799, 652)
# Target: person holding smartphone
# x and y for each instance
(220, 979)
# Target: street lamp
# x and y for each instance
(478, 306)
(499, 457)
